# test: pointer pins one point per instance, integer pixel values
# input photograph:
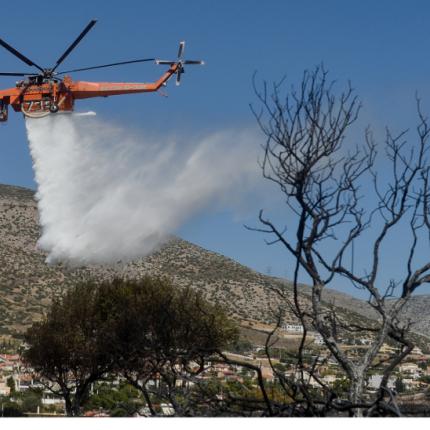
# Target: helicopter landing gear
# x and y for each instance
(54, 108)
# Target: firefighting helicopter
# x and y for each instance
(48, 92)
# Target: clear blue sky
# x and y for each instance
(381, 46)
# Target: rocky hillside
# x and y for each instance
(28, 284)
(416, 311)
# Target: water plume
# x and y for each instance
(106, 194)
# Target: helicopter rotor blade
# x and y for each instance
(19, 55)
(142, 60)
(75, 43)
(15, 74)
(181, 49)
(178, 77)
(199, 62)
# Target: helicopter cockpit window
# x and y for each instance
(3, 111)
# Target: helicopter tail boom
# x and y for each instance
(84, 90)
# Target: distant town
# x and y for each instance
(22, 387)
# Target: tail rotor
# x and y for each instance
(180, 62)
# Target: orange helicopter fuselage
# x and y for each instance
(36, 100)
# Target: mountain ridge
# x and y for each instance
(28, 284)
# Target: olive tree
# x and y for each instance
(163, 338)
(67, 348)
(156, 335)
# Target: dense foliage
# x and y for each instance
(140, 330)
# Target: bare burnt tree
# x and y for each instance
(335, 198)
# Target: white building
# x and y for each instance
(318, 339)
(293, 328)
(4, 389)
(167, 409)
(49, 398)
(411, 369)
(375, 382)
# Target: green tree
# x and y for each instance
(31, 400)
(341, 387)
(118, 401)
(11, 409)
(163, 334)
(147, 330)
(399, 385)
(67, 348)
(10, 382)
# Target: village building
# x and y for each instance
(411, 369)
(374, 382)
(293, 328)
(4, 388)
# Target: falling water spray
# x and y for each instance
(105, 195)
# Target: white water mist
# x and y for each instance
(106, 195)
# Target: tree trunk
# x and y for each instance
(356, 395)
(72, 405)
(69, 406)
(76, 407)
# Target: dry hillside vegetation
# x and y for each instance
(28, 284)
